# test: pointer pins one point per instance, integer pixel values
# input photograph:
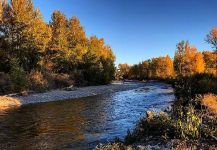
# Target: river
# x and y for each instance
(80, 123)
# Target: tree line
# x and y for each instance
(186, 62)
(49, 54)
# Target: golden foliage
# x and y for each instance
(199, 65)
(210, 59)
(162, 67)
(213, 33)
(212, 38)
(187, 60)
(210, 101)
(59, 31)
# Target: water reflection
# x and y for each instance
(80, 123)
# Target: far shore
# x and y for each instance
(78, 92)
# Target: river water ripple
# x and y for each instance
(80, 123)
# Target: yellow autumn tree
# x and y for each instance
(187, 60)
(210, 59)
(24, 33)
(58, 46)
(162, 67)
(77, 42)
(199, 64)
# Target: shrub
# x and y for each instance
(37, 81)
(187, 123)
(187, 88)
(209, 115)
(4, 83)
(62, 80)
(154, 125)
(112, 146)
(58, 80)
(210, 101)
(18, 78)
(79, 78)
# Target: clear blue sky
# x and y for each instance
(140, 29)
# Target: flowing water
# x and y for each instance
(80, 123)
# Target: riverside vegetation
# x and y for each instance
(192, 121)
(38, 56)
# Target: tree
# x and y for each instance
(98, 66)
(199, 63)
(58, 46)
(187, 60)
(76, 33)
(77, 42)
(134, 72)
(212, 38)
(164, 67)
(123, 70)
(146, 71)
(24, 33)
(210, 59)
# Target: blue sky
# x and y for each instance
(140, 29)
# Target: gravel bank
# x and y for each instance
(57, 95)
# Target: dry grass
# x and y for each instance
(8, 103)
(210, 101)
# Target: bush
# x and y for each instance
(58, 80)
(187, 123)
(154, 125)
(18, 78)
(210, 101)
(209, 115)
(112, 146)
(162, 126)
(187, 88)
(37, 81)
(4, 83)
(79, 79)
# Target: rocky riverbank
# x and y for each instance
(72, 93)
